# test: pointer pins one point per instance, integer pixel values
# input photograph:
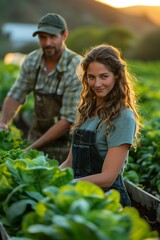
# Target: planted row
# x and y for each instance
(38, 201)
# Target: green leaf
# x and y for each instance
(18, 208)
(80, 206)
(89, 189)
(35, 195)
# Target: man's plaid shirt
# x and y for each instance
(69, 85)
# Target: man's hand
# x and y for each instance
(27, 148)
(3, 126)
(9, 110)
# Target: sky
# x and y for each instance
(117, 3)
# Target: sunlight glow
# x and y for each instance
(118, 4)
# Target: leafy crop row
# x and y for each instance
(38, 201)
(144, 162)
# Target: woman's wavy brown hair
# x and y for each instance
(122, 95)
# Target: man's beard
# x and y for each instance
(51, 51)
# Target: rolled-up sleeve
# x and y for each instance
(22, 87)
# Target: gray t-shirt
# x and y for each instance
(122, 133)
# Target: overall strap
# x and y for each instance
(60, 74)
(99, 122)
(36, 78)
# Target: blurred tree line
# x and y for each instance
(145, 48)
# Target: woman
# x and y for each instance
(107, 122)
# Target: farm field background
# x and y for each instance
(143, 168)
(36, 195)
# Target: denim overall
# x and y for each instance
(47, 113)
(88, 161)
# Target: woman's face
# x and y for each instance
(100, 79)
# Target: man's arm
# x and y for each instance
(53, 133)
(9, 111)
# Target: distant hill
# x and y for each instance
(151, 12)
(78, 13)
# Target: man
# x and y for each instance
(50, 73)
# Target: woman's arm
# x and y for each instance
(68, 161)
(112, 165)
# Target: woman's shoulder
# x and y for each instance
(126, 115)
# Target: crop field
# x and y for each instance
(144, 162)
(40, 201)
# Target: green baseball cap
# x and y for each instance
(51, 23)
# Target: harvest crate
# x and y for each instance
(147, 204)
